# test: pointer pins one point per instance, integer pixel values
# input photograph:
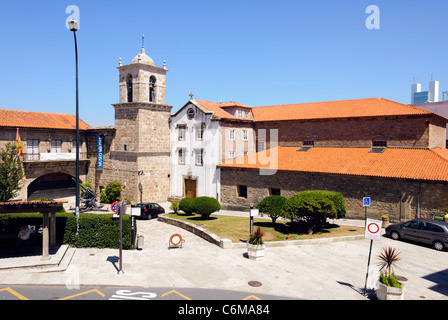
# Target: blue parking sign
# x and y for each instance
(366, 201)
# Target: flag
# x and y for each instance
(19, 144)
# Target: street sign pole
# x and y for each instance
(121, 210)
(251, 220)
(368, 264)
(372, 232)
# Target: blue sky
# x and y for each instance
(254, 52)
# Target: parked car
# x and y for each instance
(150, 210)
(432, 232)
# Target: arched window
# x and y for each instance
(129, 87)
(152, 89)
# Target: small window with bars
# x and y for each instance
(379, 143)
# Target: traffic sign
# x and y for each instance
(175, 241)
(366, 202)
(114, 206)
(373, 229)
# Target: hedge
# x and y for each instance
(272, 206)
(95, 230)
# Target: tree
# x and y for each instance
(205, 206)
(185, 205)
(111, 193)
(272, 206)
(11, 172)
(310, 207)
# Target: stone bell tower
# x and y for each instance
(141, 148)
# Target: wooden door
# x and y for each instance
(190, 188)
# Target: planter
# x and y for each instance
(389, 293)
(255, 252)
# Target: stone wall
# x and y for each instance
(399, 199)
(409, 132)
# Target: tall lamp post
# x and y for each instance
(73, 26)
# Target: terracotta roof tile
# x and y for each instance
(31, 119)
(373, 107)
(217, 108)
(419, 164)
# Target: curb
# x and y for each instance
(228, 244)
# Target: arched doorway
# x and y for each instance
(56, 185)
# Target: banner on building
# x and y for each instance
(99, 161)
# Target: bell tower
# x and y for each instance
(141, 148)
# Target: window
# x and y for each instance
(245, 153)
(232, 155)
(379, 143)
(200, 133)
(181, 133)
(245, 135)
(56, 146)
(32, 149)
(411, 224)
(129, 87)
(308, 143)
(181, 154)
(200, 157)
(242, 191)
(232, 134)
(261, 146)
(152, 89)
(274, 191)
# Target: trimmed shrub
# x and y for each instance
(205, 206)
(272, 206)
(95, 230)
(310, 207)
(338, 200)
(98, 231)
(111, 193)
(185, 205)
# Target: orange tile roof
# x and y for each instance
(216, 108)
(418, 164)
(373, 107)
(31, 119)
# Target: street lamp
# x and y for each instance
(73, 26)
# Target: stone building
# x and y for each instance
(135, 152)
(392, 152)
(48, 142)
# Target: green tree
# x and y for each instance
(272, 206)
(310, 207)
(11, 172)
(185, 205)
(111, 193)
(205, 206)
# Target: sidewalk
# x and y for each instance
(330, 271)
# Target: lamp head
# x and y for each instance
(73, 25)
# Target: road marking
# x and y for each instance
(82, 293)
(15, 293)
(178, 293)
(251, 296)
(127, 294)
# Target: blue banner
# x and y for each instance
(99, 161)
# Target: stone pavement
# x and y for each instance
(324, 271)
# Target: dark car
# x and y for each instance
(149, 210)
(432, 232)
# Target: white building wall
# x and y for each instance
(207, 176)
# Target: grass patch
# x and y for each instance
(237, 228)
